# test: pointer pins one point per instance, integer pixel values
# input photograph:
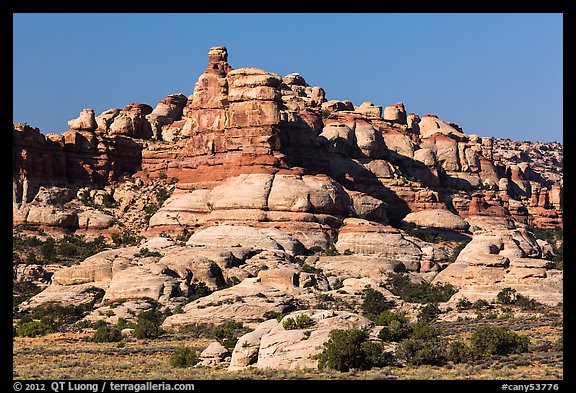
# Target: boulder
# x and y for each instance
(245, 302)
(86, 121)
(437, 218)
(395, 113)
(281, 349)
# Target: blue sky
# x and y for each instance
(494, 74)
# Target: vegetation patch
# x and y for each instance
(301, 321)
(183, 357)
(400, 285)
(350, 349)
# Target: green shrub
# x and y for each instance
(197, 290)
(497, 340)
(310, 269)
(375, 303)
(145, 252)
(107, 334)
(48, 250)
(460, 352)
(429, 312)
(433, 351)
(510, 296)
(232, 280)
(400, 285)
(506, 296)
(23, 291)
(395, 327)
(463, 304)
(161, 195)
(423, 331)
(148, 325)
(339, 283)
(228, 333)
(350, 349)
(301, 321)
(184, 357)
(33, 329)
(331, 251)
(58, 316)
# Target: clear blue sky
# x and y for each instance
(494, 74)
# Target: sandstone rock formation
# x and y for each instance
(271, 346)
(498, 259)
(254, 183)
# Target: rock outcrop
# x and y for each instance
(269, 197)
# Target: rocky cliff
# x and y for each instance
(259, 179)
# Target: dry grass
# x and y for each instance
(64, 356)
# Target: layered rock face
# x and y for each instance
(249, 121)
(503, 258)
(270, 196)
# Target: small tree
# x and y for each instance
(347, 349)
(498, 340)
(375, 303)
(301, 321)
(460, 352)
(506, 296)
(419, 351)
(107, 334)
(395, 327)
(184, 357)
(33, 329)
(148, 325)
(429, 312)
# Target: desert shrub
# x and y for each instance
(107, 334)
(108, 201)
(350, 349)
(331, 251)
(433, 351)
(23, 291)
(184, 357)
(33, 329)
(423, 331)
(498, 340)
(148, 325)
(301, 321)
(161, 195)
(232, 280)
(310, 269)
(395, 327)
(57, 316)
(481, 304)
(558, 259)
(227, 333)
(429, 312)
(375, 303)
(273, 315)
(198, 290)
(506, 296)
(460, 352)
(48, 250)
(145, 252)
(126, 238)
(463, 304)
(400, 285)
(510, 296)
(339, 283)
(31, 259)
